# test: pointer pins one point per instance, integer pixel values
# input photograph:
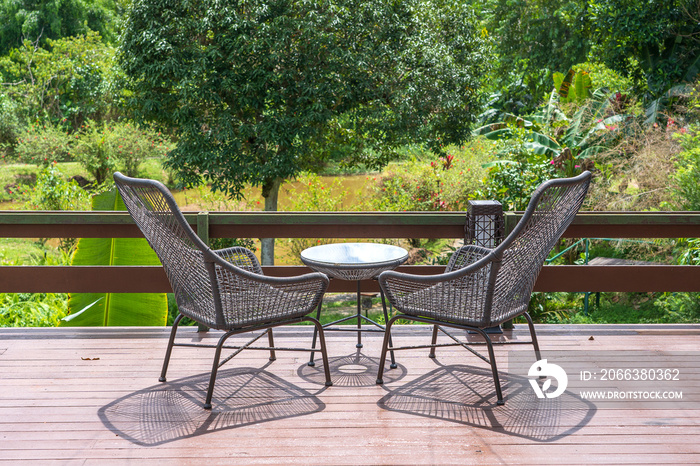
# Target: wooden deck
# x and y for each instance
(91, 397)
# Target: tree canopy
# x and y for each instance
(657, 42)
(69, 82)
(253, 87)
(39, 20)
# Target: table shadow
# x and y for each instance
(353, 370)
(173, 410)
(466, 395)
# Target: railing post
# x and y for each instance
(203, 226)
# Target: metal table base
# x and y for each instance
(359, 329)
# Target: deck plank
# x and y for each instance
(59, 407)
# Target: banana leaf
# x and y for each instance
(563, 83)
(115, 309)
(583, 85)
(542, 144)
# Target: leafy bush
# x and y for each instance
(444, 184)
(604, 77)
(687, 177)
(512, 183)
(9, 123)
(54, 192)
(102, 149)
(520, 171)
(33, 309)
(92, 152)
(43, 144)
(131, 145)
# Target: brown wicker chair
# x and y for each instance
(482, 287)
(223, 289)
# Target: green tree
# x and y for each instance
(253, 87)
(533, 39)
(68, 82)
(41, 20)
(656, 42)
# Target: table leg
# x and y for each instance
(359, 317)
(313, 341)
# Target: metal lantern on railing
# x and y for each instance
(485, 225)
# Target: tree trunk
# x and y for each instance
(270, 191)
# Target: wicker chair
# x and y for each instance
(482, 287)
(221, 289)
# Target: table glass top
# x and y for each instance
(354, 253)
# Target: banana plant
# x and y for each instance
(582, 136)
(575, 86)
(115, 309)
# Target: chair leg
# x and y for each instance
(169, 351)
(313, 341)
(385, 346)
(215, 369)
(324, 352)
(433, 341)
(393, 364)
(494, 369)
(271, 340)
(533, 336)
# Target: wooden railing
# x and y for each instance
(369, 225)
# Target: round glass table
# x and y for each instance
(354, 262)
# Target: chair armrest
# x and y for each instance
(240, 257)
(249, 298)
(458, 296)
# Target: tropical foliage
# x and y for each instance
(114, 309)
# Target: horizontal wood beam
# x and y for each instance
(31, 224)
(147, 279)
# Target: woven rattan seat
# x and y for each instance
(220, 289)
(482, 287)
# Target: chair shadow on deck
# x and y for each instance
(464, 394)
(172, 411)
(353, 370)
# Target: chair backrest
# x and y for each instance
(552, 208)
(178, 247)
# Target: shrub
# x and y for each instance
(447, 183)
(92, 151)
(602, 76)
(131, 145)
(43, 144)
(102, 149)
(54, 192)
(33, 309)
(687, 177)
(9, 123)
